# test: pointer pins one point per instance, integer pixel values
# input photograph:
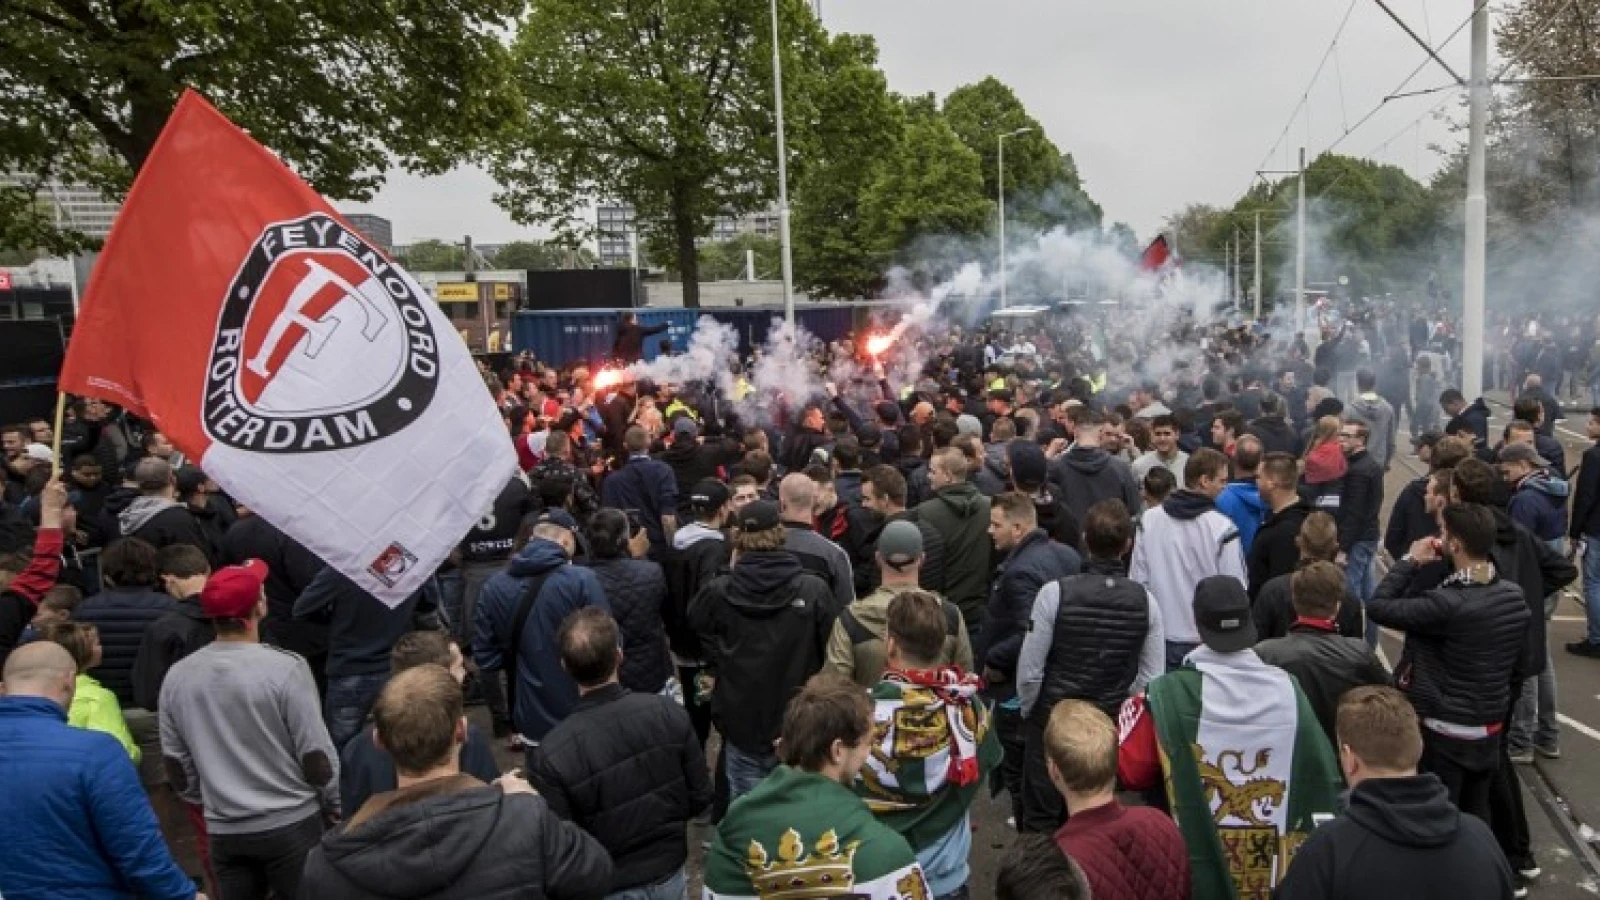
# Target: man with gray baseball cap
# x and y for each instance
(856, 647)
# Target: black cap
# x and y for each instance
(870, 436)
(1028, 466)
(762, 515)
(1001, 394)
(709, 495)
(1222, 614)
(887, 410)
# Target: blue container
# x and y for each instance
(563, 337)
(828, 323)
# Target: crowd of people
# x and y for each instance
(1137, 592)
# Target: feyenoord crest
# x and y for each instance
(322, 344)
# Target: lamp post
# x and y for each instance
(783, 175)
(1001, 182)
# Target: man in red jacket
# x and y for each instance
(1128, 853)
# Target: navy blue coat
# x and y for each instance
(545, 693)
(648, 487)
(74, 820)
(122, 615)
(1034, 562)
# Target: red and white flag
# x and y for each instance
(309, 375)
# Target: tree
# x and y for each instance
(340, 91)
(856, 128)
(542, 255)
(929, 190)
(1043, 189)
(1194, 230)
(666, 105)
(1121, 236)
(433, 256)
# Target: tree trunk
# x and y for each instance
(683, 229)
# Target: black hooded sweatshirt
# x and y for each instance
(1087, 475)
(764, 630)
(1400, 837)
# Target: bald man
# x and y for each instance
(73, 817)
(797, 502)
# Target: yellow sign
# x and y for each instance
(502, 292)
(456, 293)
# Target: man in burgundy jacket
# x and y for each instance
(1128, 853)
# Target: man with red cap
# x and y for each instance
(242, 735)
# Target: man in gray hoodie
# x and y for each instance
(1378, 414)
(156, 516)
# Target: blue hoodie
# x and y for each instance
(545, 694)
(1539, 504)
(1241, 502)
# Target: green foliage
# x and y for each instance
(930, 188)
(1043, 189)
(854, 134)
(340, 91)
(1121, 236)
(542, 255)
(667, 106)
(433, 256)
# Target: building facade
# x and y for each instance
(376, 229)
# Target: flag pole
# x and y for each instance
(55, 445)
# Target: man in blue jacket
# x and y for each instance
(540, 693)
(73, 818)
(1240, 499)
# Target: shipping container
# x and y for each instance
(562, 337)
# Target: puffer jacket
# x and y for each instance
(961, 515)
(122, 615)
(1539, 504)
(1464, 644)
(544, 692)
(1033, 563)
(456, 837)
(763, 630)
(626, 768)
(1102, 619)
(637, 591)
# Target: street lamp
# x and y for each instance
(1001, 180)
(783, 175)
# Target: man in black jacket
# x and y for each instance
(883, 492)
(1032, 560)
(621, 744)
(1411, 519)
(1274, 430)
(1474, 418)
(1030, 474)
(764, 630)
(1523, 560)
(1086, 474)
(156, 517)
(1359, 508)
(629, 344)
(1325, 664)
(1585, 528)
(1275, 551)
(1095, 637)
(1400, 836)
(176, 634)
(443, 832)
(1463, 650)
(693, 458)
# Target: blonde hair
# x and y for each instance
(1082, 742)
(1326, 429)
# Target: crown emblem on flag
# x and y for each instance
(825, 870)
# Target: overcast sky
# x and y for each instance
(1163, 103)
